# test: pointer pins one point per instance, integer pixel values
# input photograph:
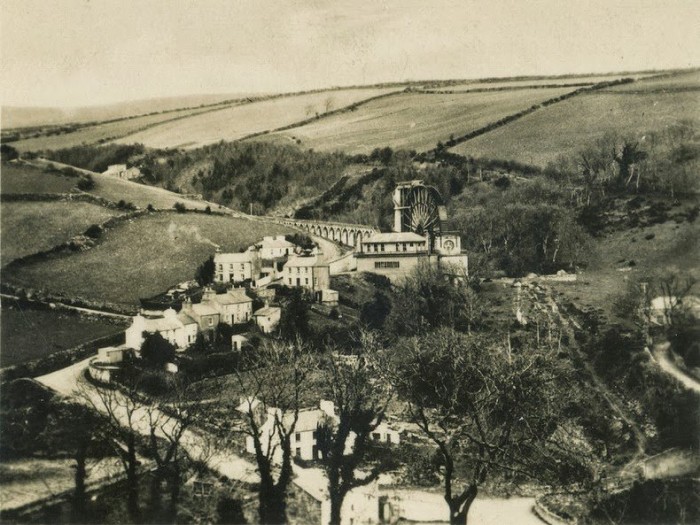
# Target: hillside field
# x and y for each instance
(414, 120)
(570, 125)
(142, 257)
(236, 122)
(21, 178)
(30, 227)
(523, 83)
(101, 132)
(31, 334)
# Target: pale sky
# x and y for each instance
(84, 52)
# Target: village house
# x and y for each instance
(234, 306)
(237, 267)
(180, 329)
(274, 247)
(267, 318)
(122, 172)
(309, 272)
(304, 440)
(662, 308)
(205, 315)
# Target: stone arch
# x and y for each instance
(351, 238)
(358, 239)
(325, 232)
(344, 236)
(333, 233)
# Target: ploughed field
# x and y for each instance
(29, 334)
(414, 120)
(236, 122)
(141, 257)
(101, 132)
(570, 125)
(30, 227)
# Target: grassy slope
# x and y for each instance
(20, 178)
(106, 131)
(413, 120)
(30, 334)
(568, 126)
(142, 257)
(673, 247)
(29, 227)
(237, 122)
(141, 195)
(562, 81)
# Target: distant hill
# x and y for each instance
(19, 117)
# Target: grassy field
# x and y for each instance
(142, 257)
(30, 227)
(414, 121)
(689, 79)
(505, 83)
(31, 334)
(632, 253)
(237, 122)
(568, 126)
(100, 132)
(20, 178)
(141, 195)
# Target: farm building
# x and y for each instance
(122, 172)
(268, 318)
(237, 267)
(309, 272)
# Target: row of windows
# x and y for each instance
(400, 246)
(386, 264)
(230, 266)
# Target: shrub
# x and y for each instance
(86, 183)
(179, 207)
(94, 231)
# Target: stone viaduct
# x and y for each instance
(347, 234)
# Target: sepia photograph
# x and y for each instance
(353, 262)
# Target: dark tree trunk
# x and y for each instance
(460, 509)
(132, 479)
(174, 479)
(155, 491)
(80, 475)
(273, 506)
(337, 497)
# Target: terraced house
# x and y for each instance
(237, 267)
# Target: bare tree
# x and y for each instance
(122, 417)
(169, 418)
(483, 405)
(275, 381)
(360, 402)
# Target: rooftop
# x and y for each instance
(268, 310)
(204, 309)
(313, 260)
(233, 296)
(232, 257)
(395, 237)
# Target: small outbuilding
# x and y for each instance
(268, 318)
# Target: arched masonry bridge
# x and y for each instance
(348, 234)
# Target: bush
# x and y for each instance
(86, 183)
(94, 231)
(179, 207)
(7, 152)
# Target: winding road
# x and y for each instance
(662, 355)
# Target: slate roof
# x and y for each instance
(395, 237)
